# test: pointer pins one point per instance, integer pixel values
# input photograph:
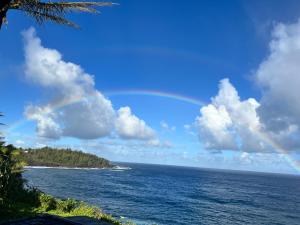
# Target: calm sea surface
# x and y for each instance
(149, 194)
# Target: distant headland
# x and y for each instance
(67, 158)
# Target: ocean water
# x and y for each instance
(153, 194)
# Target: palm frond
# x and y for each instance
(55, 11)
(42, 17)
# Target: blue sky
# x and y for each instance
(168, 47)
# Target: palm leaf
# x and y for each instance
(54, 11)
(42, 17)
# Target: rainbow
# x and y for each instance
(263, 136)
(279, 149)
(155, 93)
(54, 106)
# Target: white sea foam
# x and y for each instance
(120, 168)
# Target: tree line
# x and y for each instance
(53, 157)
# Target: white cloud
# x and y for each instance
(46, 123)
(164, 125)
(279, 78)
(45, 67)
(77, 109)
(158, 144)
(19, 143)
(187, 126)
(191, 129)
(228, 122)
(215, 124)
(129, 126)
(260, 160)
(239, 160)
(90, 118)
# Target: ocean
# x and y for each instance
(170, 195)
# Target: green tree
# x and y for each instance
(48, 11)
(62, 157)
(11, 181)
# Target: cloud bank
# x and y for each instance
(77, 109)
(231, 123)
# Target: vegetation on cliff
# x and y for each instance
(52, 157)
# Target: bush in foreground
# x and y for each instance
(45, 203)
(70, 207)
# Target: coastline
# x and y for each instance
(78, 168)
(65, 168)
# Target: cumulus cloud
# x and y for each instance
(235, 124)
(77, 108)
(228, 122)
(129, 126)
(279, 78)
(46, 123)
(85, 112)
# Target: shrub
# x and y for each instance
(85, 210)
(67, 205)
(110, 219)
(47, 202)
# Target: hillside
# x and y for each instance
(62, 158)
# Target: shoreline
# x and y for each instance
(64, 168)
(77, 168)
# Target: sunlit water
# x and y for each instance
(149, 194)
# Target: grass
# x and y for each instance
(58, 207)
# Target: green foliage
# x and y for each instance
(71, 207)
(67, 205)
(85, 210)
(11, 181)
(62, 158)
(44, 203)
(13, 193)
(24, 204)
(109, 218)
(47, 202)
